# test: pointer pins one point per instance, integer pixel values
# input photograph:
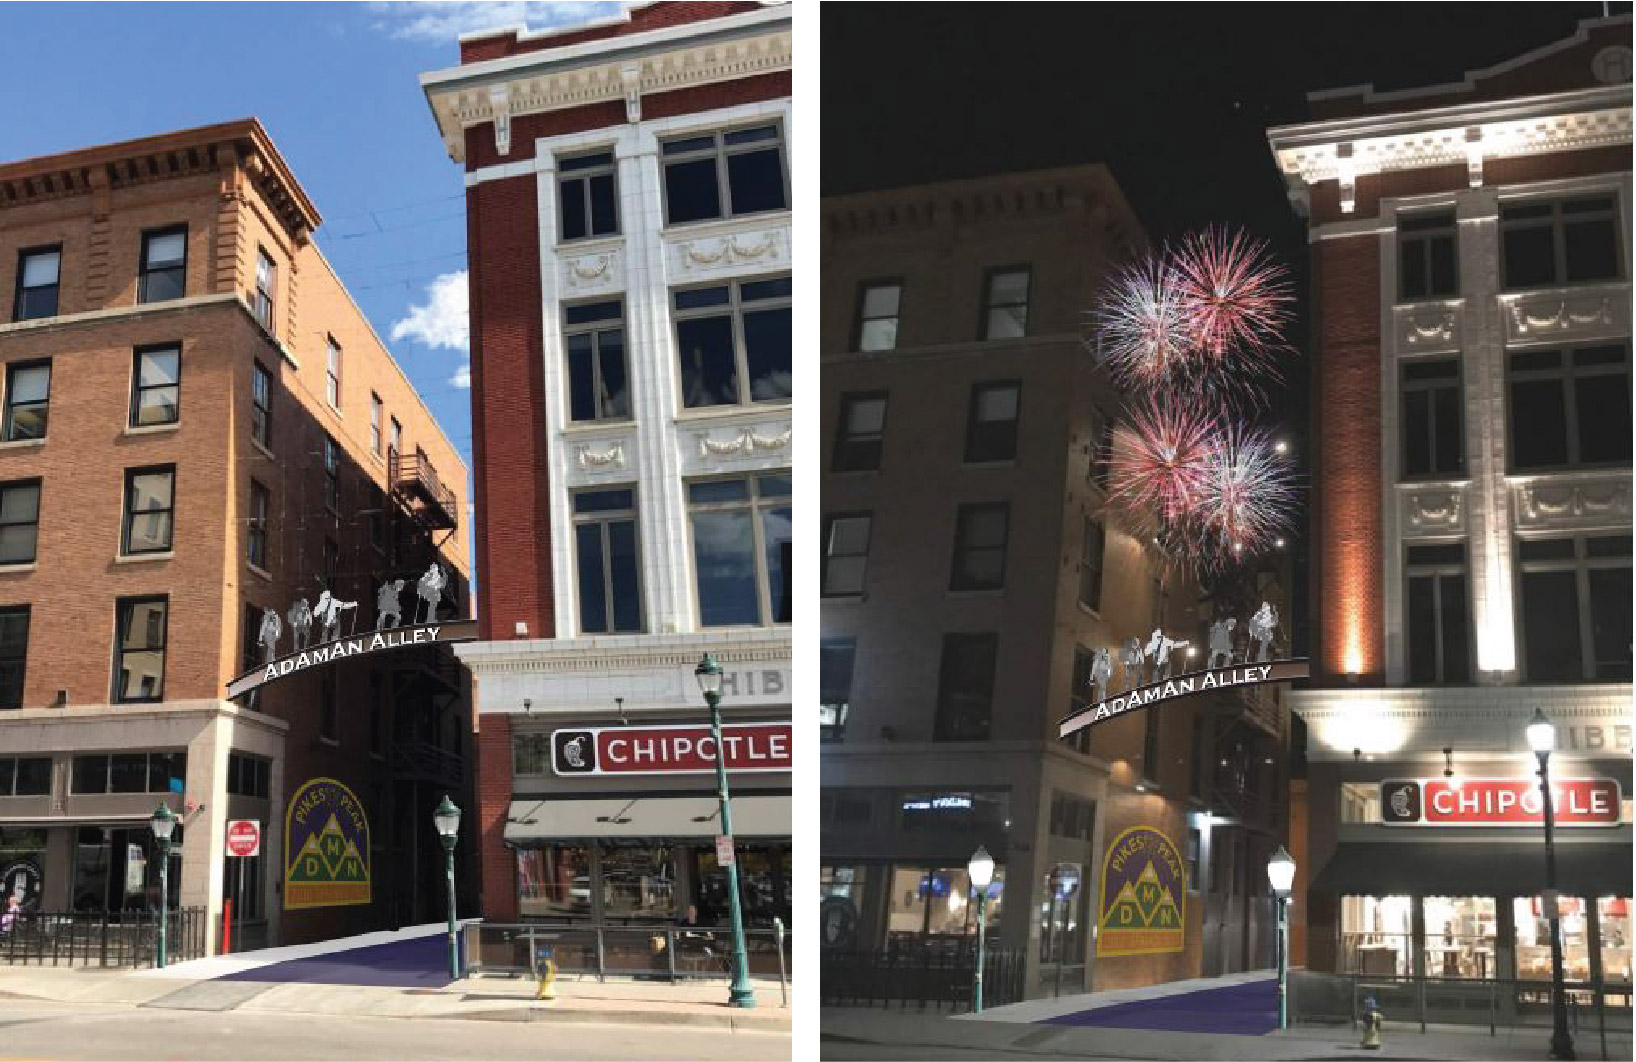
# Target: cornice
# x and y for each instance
(565, 656)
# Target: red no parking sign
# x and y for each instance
(243, 837)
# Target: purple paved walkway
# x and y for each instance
(1240, 1010)
(420, 962)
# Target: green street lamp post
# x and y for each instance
(980, 870)
(709, 675)
(1281, 874)
(1542, 739)
(447, 818)
(164, 824)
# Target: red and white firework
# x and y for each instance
(1235, 297)
(1245, 499)
(1160, 465)
(1143, 324)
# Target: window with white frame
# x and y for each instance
(724, 174)
(734, 343)
(1437, 628)
(1569, 408)
(1427, 256)
(608, 561)
(1566, 241)
(598, 383)
(741, 549)
(1575, 608)
(588, 196)
(1433, 430)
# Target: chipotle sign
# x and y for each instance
(1497, 802)
(670, 749)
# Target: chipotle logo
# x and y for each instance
(671, 749)
(1498, 802)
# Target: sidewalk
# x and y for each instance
(475, 998)
(913, 1033)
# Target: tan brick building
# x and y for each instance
(200, 425)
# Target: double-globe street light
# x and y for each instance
(980, 872)
(709, 675)
(1281, 875)
(1542, 739)
(164, 824)
(447, 820)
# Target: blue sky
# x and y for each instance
(335, 84)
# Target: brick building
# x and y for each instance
(629, 234)
(199, 425)
(1471, 517)
(970, 570)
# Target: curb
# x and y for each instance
(735, 1022)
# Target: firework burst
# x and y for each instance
(1142, 323)
(1235, 297)
(1160, 465)
(1245, 500)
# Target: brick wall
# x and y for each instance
(508, 399)
(499, 890)
(642, 19)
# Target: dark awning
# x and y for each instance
(645, 817)
(1475, 868)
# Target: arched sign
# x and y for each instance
(1144, 895)
(326, 845)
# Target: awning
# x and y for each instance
(1475, 868)
(644, 817)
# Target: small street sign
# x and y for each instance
(724, 851)
(243, 837)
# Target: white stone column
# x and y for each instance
(565, 601)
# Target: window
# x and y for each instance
(1570, 408)
(1150, 746)
(1090, 565)
(375, 437)
(266, 289)
(862, 431)
(328, 717)
(164, 265)
(1575, 604)
(37, 280)
(846, 554)
(377, 518)
(130, 772)
(1560, 242)
(139, 652)
(1438, 626)
(605, 547)
(530, 753)
(250, 651)
(1101, 446)
(332, 369)
(332, 564)
(1427, 246)
(248, 775)
(724, 174)
(156, 387)
(28, 400)
(980, 533)
(150, 507)
(741, 549)
(332, 475)
(25, 776)
(734, 343)
(1433, 440)
(878, 305)
(991, 425)
(836, 657)
(965, 687)
(13, 654)
(586, 191)
(19, 521)
(1072, 817)
(1005, 303)
(260, 506)
(394, 443)
(598, 387)
(261, 405)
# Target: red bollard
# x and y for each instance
(227, 927)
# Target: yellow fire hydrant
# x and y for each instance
(548, 981)
(1372, 1019)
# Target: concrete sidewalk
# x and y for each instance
(911, 1034)
(480, 998)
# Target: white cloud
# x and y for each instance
(443, 21)
(442, 320)
(462, 377)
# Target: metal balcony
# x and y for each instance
(415, 484)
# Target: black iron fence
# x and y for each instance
(658, 951)
(102, 938)
(935, 977)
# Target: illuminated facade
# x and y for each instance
(1471, 506)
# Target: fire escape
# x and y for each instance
(420, 493)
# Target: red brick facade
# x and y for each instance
(497, 888)
(643, 18)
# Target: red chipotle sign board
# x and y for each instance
(1497, 802)
(670, 749)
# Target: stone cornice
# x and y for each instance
(100, 714)
(630, 653)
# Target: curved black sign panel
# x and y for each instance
(1254, 674)
(361, 645)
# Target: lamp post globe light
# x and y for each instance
(980, 870)
(447, 820)
(1281, 875)
(709, 675)
(163, 824)
(1542, 739)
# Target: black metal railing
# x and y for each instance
(412, 475)
(102, 938)
(928, 976)
(666, 952)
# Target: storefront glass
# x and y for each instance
(554, 882)
(1614, 914)
(1534, 940)
(118, 869)
(1062, 928)
(19, 845)
(937, 903)
(638, 882)
(763, 881)
(1460, 935)
(1377, 935)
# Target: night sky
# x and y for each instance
(1175, 98)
